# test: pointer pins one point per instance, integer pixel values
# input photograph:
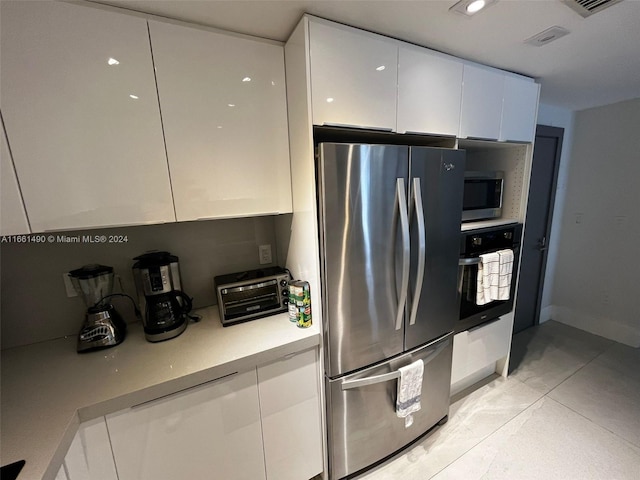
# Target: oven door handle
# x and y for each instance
(463, 262)
(416, 193)
(401, 197)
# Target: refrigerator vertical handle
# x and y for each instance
(422, 248)
(401, 197)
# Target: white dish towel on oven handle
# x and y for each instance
(494, 276)
(409, 391)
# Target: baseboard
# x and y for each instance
(546, 313)
(605, 327)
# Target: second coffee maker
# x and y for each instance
(164, 305)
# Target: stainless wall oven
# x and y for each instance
(473, 244)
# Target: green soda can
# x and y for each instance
(300, 303)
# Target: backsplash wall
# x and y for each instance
(34, 305)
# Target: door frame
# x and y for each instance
(558, 134)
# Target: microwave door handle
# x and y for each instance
(385, 377)
(422, 248)
(401, 198)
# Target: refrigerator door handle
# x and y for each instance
(385, 377)
(404, 225)
(422, 248)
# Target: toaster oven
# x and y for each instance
(252, 294)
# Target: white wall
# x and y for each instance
(563, 118)
(596, 286)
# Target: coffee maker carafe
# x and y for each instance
(103, 327)
(164, 305)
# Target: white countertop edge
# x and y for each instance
(46, 462)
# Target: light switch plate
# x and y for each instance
(264, 252)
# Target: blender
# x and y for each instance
(103, 326)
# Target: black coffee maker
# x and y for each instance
(164, 305)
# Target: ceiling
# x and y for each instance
(598, 63)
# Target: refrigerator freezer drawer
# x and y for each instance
(363, 427)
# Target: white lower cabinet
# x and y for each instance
(479, 348)
(89, 456)
(205, 432)
(290, 410)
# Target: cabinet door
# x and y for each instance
(223, 103)
(89, 456)
(13, 218)
(290, 408)
(519, 110)
(210, 431)
(481, 103)
(81, 111)
(353, 77)
(429, 92)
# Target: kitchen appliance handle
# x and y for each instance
(404, 225)
(188, 305)
(422, 249)
(469, 261)
(385, 377)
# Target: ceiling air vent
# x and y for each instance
(586, 8)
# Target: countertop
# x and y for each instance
(48, 388)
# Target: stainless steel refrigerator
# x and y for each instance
(390, 228)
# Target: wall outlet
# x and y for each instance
(68, 286)
(264, 252)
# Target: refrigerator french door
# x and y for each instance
(390, 221)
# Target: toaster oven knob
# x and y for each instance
(283, 283)
(285, 293)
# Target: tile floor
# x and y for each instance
(570, 409)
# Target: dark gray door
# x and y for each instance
(362, 206)
(435, 206)
(544, 177)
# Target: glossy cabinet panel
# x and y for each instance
(13, 218)
(481, 114)
(353, 77)
(290, 409)
(205, 432)
(519, 110)
(81, 111)
(429, 92)
(223, 105)
(89, 456)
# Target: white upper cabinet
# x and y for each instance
(482, 92)
(353, 77)
(224, 110)
(429, 92)
(208, 432)
(13, 218)
(290, 409)
(519, 109)
(81, 112)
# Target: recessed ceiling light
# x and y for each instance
(246, 79)
(135, 97)
(113, 61)
(329, 100)
(547, 36)
(471, 7)
(380, 68)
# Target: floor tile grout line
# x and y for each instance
(542, 395)
(579, 369)
(593, 422)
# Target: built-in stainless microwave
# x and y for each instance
(482, 195)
